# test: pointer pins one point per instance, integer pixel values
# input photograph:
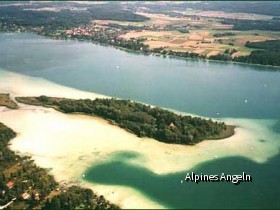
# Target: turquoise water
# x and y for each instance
(203, 88)
(262, 192)
(198, 87)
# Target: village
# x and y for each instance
(20, 184)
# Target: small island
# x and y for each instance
(142, 120)
(6, 101)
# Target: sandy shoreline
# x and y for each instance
(19, 85)
(69, 144)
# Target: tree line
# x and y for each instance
(267, 45)
(21, 15)
(245, 25)
(142, 120)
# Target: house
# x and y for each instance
(171, 125)
(37, 197)
(10, 184)
(25, 196)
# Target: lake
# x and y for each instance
(210, 89)
(198, 87)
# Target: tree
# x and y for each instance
(55, 203)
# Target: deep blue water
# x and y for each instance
(198, 87)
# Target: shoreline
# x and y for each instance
(51, 187)
(163, 55)
(222, 130)
(277, 68)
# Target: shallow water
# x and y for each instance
(246, 96)
(69, 144)
(168, 190)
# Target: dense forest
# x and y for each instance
(140, 119)
(264, 57)
(23, 16)
(268, 53)
(23, 185)
(245, 25)
(256, 7)
(18, 16)
(268, 45)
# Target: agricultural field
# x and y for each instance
(199, 32)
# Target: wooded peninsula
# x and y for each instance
(142, 120)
